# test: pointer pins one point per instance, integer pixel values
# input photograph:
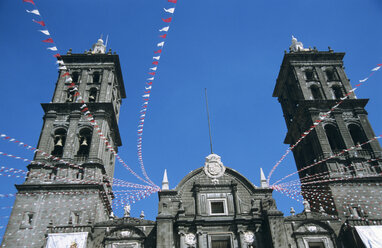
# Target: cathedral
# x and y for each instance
(63, 205)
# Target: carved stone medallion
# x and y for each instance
(190, 239)
(213, 167)
(249, 237)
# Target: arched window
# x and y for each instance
(331, 74)
(96, 77)
(93, 95)
(75, 77)
(337, 91)
(59, 142)
(309, 74)
(70, 95)
(316, 93)
(84, 142)
(334, 137)
(358, 136)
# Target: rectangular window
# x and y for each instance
(316, 245)
(218, 206)
(220, 242)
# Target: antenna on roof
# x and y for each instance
(208, 117)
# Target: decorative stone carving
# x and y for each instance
(249, 237)
(125, 233)
(190, 239)
(127, 209)
(348, 115)
(306, 206)
(297, 46)
(213, 167)
(312, 228)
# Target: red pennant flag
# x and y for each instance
(159, 51)
(379, 65)
(49, 40)
(42, 23)
(155, 63)
(57, 55)
(152, 73)
(163, 36)
(149, 83)
(172, 1)
(147, 92)
(167, 20)
(66, 74)
(29, 1)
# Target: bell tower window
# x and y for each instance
(309, 75)
(93, 95)
(337, 91)
(331, 74)
(84, 142)
(96, 77)
(59, 142)
(334, 137)
(75, 77)
(316, 93)
(357, 136)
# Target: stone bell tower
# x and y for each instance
(70, 183)
(310, 83)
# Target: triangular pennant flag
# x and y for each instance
(42, 23)
(172, 1)
(376, 68)
(167, 19)
(153, 68)
(157, 57)
(49, 40)
(46, 32)
(165, 29)
(155, 63)
(363, 80)
(159, 51)
(170, 10)
(65, 74)
(148, 88)
(160, 44)
(28, 1)
(146, 95)
(62, 68)
(52, 48)
(163, 36)
(152, 78)
(152, 73)
(57, 55)
(149, 83)
(35, 11)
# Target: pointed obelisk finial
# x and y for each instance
(165, 185)
(263, 180)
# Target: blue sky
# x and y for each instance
(232, 48)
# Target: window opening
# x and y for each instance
(316, 93)
(220, 242)
(358, 136)
(334, 137)
(84, 142)
(309, 74)
(93, 95)
(96, 77)
(75, 77)
(316, 245)
(59, 142)
(337, 91)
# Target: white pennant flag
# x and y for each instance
(62, 68)
(161, 44)
(170, 10)
(46, 32)
(52, 48)
(146, 95)
(165, 29)
(153, 68)
(145, 103)
(157, 57)
(152, 78)
(148, 88)
(61, 62)
(69, 79)
(363, 80)
(376, 68)
(35, 11)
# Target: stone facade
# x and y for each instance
(213, 206)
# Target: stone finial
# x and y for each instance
(112, 216)
(142, 216)
(99, 47)
(127, 209)
(263, 180)
(297, 46)
(292, 211)
(306, 206)
(165, 185)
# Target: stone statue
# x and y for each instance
(127, 209)
(306, 206)
(297, 46)
(190, 239)
(142, 216)
(292, 211)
